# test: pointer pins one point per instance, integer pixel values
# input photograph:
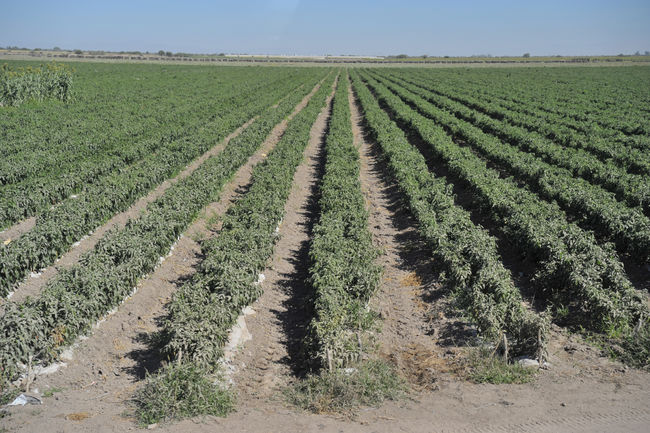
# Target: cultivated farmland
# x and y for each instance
(182, 241)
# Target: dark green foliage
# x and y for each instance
(367, 384)
(182, 391)
(572, 269)
(343, 273)
(36, 176)
(601, 110)
(203, 310)
(466, 253)
(58, 228)
(50, 80)
(77, 297)
(596, 208)
(539, 136)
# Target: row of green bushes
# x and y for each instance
(33, 179)
(343, 274)
(539, 137)
(593, 207)
(58, 228)
(572, 269)
(465, 252)
(36, 330)
(203, 311)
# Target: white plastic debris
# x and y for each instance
(238, 335)
(524, 361)
(23, 399)
(38, 370)
(249, 311)
(67, 354)
(260, 279)
(528, 362)
(83, 238)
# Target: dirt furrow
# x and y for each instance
(107, 367)
(15, 231)
(271, 358)
(408, 277)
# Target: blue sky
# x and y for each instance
(305, 27)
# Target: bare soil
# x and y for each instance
(408, 274)
(15, 231)
(581, 391)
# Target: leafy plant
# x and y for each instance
(343, 391)
(50, 80)
(59, 227)
(79, 296)
(466, 253)
(572, 269)
(203, 311)
(484, 367)
(183, 391)
(595, 207)
(342, 272)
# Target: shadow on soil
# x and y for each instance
(299, 304)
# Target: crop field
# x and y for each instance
(188, 240)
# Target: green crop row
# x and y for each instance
(342, 271)
(66, 157)
(65, 148)
(58, 228)
(117, 104)
(204, 310)
(633, 188)
(596, 208)
(465, 252)
(572, 269)
(602, 103)
(76, 298)
(566, 132)
(44, 187)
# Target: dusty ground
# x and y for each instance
(407, 270)
(15, 231)
(582, 391)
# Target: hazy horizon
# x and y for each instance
(299, 27)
